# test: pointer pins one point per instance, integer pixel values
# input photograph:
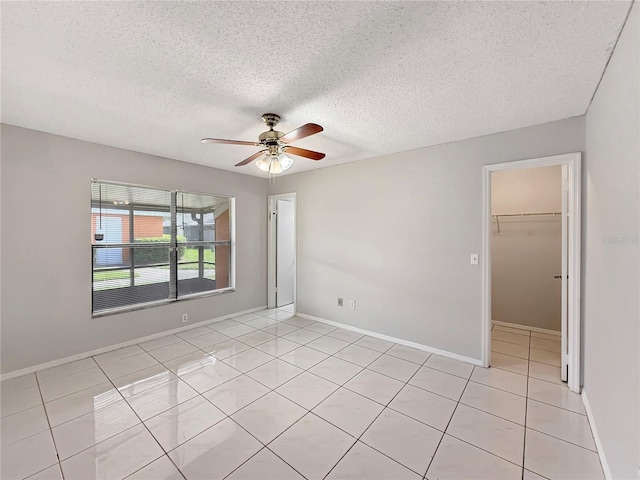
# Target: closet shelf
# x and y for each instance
(510, 215)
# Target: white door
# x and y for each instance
(565, 275)
(285, 252)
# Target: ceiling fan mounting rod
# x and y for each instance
(271, 119)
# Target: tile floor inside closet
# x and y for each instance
(269, 395)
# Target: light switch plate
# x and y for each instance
(474, 259)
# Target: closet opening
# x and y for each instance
(531, 270)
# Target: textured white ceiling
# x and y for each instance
(380, 77)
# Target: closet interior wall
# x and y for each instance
(526, 238)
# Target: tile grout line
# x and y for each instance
(274, 391)
(529, 353)
(444, 432)
(227, 416)
(423, 364)
(53, 439)
(562, 439)
(486, 413)
(376, 417)
(526, 404)
(56, 379)
(199, 394)
(164, 453)
(309, 411)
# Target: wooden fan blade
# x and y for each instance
(251, 158)
(301, 152)
(302, 132)
(229, 142)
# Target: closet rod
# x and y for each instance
(507, 215)
(527, 214)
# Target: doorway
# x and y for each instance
(555, 223)
(282, 252)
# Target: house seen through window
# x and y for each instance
(152, 246)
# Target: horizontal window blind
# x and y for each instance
(154, 246)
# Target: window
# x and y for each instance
(152, 246)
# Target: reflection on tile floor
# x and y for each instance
(267, 395)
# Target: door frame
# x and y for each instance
(272, 247)
(573, 162)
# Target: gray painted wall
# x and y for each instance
(527, 251)
(611, 285)
(46, 254)
(395, 233)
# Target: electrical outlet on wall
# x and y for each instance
(340, 302)
(352, 304)
(185, 318)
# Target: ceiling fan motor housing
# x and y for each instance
(270, 138)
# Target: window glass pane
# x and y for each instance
(110, 268)
(199, 269)
(152, 226)
(109, 226)
(202, 217)
(151, 265)
(223, 266)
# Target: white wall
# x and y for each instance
(526, 190)
(527, 251)
(395, 233)
(46, 254)
(611, 270)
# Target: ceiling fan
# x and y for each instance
(272, 158)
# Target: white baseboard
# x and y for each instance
(399, 341)
(596, 437)
(526, 327)
(80, 356)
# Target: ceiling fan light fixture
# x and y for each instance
(263, 163)
(285, 161)
(275, 164)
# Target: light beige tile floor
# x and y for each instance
(269, 395)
